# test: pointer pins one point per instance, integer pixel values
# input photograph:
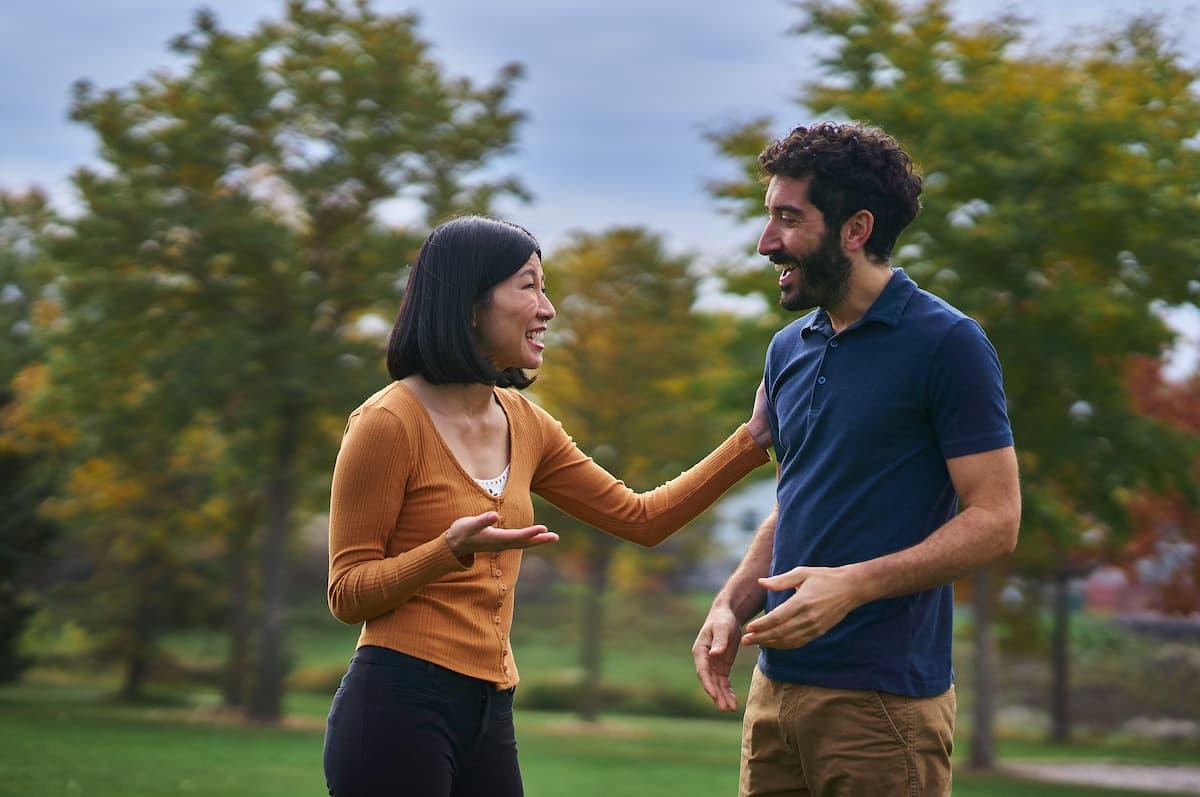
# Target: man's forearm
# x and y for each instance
(967, 542)
(742, 593)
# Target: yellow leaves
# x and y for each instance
(24, 425)
(45, 312)
(94, 486)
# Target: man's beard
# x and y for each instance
(821, 278)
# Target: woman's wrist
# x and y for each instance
(455, 543)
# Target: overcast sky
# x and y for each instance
(619, 92)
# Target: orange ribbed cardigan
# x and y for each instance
(397, 488)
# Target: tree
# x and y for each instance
(26, 470)
(1164, 552)
(1060, 187)
(633, 376)
(231, 260)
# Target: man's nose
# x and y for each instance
(768, 242)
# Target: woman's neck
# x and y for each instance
(456, 400)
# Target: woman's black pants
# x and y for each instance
(404, 727)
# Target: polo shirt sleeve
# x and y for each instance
(965, 393)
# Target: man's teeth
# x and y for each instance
(536, 336)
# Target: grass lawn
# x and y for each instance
(71, 741)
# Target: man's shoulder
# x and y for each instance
(931, 313)
(792, 332)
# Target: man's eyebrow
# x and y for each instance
(795, 211)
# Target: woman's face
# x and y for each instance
(509, 327)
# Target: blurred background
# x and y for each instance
(206, 217)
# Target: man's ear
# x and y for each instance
(857, 231)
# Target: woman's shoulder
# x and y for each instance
(519, 406)
(393, 399)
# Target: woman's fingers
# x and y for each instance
(474, 533)
(522, 538)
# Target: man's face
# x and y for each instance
(813, 268)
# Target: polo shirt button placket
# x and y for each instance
(820, 380)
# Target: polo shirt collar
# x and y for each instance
(886, 309)
(890, 304)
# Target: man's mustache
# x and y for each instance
(783, 260)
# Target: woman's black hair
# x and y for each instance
(456, 269)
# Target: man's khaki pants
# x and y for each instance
(805, 741)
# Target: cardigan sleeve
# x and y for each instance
(572, 481)
(369, 481)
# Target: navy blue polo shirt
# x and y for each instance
(864, 422)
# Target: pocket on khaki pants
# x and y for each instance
(925, 727)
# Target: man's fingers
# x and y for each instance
(715, 686)
(768, 622)
(792, 578)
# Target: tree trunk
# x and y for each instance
(1060, 725)
(599, 557)
(137, 669)
(234, 681)
(266, 699)
(983, 739)
(137, 655)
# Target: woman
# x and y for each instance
(431, 509)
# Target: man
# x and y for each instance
(888, 415)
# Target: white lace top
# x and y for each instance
(495, 486)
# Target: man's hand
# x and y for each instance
(824, 596)
(714, 651)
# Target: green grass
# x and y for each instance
(72, 741)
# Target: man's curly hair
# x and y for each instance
(853, 167)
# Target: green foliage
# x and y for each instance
(26, 465)
(631, 372)
(1059, 206)
(220, 288)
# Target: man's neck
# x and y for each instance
(867, 281)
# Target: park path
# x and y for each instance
(1170, 779)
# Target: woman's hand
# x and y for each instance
(758, 427)
(476, 534)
